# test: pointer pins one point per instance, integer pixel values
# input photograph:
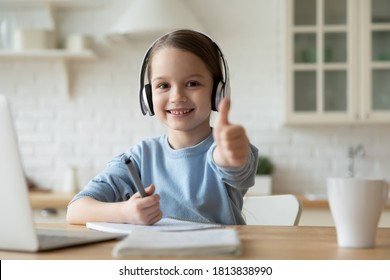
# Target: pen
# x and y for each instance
(134, 176)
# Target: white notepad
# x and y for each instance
(209, 242)
(165, 224)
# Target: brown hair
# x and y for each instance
(193, 42)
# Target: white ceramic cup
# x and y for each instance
(70, 183)
(78, 42)
(356, 206)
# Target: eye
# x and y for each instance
(162, 86)
(192, 84)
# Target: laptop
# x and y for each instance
(16, 218)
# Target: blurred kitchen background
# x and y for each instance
(73, 84)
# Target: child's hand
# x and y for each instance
(143, 210)
(232, 143)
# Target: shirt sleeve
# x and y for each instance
(113, 184)
(241, 177)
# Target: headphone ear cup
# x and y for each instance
(217, 95)
(147, 100)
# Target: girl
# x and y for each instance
(194, 172)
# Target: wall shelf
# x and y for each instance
(48, 54)
(57, 3)
(61, 57)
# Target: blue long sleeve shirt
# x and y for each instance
(190, 184)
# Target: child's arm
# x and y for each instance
(232, 143)
(136, 210)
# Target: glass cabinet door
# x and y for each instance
(320, 62)
(379, 29)
(380, 90)
(305, 97)
(335, 47)
(305, 48)
(305, 12)
(335, 12)
(335, 88)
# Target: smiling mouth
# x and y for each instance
(180, 112)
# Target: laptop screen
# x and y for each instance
(16, 219)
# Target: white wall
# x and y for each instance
(103, 118)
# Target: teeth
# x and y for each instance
(180, 112)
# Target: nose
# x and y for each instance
(177, 95)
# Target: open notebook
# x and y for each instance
(165, 224)
(16, 219)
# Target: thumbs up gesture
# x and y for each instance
(232, 142)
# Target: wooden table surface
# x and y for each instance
(259, 242)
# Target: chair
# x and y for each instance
(276, 210)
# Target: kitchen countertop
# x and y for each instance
(41, 199)
(313, 203)
(309, 202)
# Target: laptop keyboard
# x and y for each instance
(45, 239)
(51, 239)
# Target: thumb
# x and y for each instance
(223, 109)
(150, 190)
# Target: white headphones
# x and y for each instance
(221, 89)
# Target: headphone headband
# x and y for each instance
(221, 90)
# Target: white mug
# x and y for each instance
(356, 206)
(78, 42)
(70, 183)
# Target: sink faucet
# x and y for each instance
(354, 151)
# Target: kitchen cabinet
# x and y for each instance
(338, 61)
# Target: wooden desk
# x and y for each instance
(259, 242)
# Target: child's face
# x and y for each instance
(181, 86)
